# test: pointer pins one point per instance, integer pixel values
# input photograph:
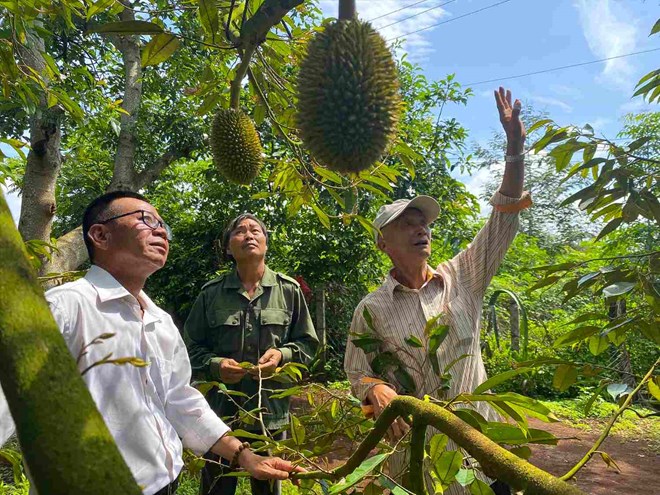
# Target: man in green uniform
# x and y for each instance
(251, 314)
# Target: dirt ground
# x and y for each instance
(639, 465)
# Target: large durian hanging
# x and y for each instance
(348, 94)
(235, 144)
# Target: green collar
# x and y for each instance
(269, 279)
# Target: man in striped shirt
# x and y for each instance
(414, 293)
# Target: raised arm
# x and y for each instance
(514, 170)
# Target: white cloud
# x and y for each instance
(609, 32)
(397, 24)
(476, 185)
(13, 201)
(635, 105)
(554, 102)
(566, 91)
(599, 122)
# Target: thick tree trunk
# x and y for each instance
(124, 170)
(64, 440)
(43, 160)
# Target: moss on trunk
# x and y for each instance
(66, 444)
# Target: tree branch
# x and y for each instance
(494, 460)
(149, 174)
(270, 13)
(124, 173)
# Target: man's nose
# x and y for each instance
(160, 232)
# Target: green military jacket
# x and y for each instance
(225, 323)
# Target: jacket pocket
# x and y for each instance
(226, 325)
(274, 327)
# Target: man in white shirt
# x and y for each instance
(151, 410)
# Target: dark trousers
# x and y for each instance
(213, 483)
(501, 488)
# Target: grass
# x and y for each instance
(629, 427)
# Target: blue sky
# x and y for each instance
(521, 36)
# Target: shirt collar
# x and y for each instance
(269, 279)
(391, 283)
(108, 288)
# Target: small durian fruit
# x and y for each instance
(348, 96)
(236, 148)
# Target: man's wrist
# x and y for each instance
(515, 146)
(246, 458)
(214, 366)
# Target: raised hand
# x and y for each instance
(510, 117)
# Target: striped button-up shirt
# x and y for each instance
(454, 290)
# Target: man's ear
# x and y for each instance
(381, 243)
(100, 236)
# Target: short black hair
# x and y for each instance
(231, 226)
(101, 209)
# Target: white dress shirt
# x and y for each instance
(151, 412)
(7, 427)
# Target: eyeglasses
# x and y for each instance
(147, 218)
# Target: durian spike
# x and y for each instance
(347, 10)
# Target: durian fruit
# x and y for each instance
(235, 144)
(348, 96)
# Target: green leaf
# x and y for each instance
(538, 124)
(465, 476)
(618, 289)
(523, 452)
(654, 388)
(544, 282)
(447, 466)
(609, 461)
(97, 7)
(587, 278)
(208, 16)
(451, 363)
(328, 175)
(495, 380)
(576, 335)
(405, 380)
(610, 227)
(368, 319)
(436, 337)
(297, 430)
(656, 28)
(358, 475)
(437, 446)
(383, 362)
(514, 435)
(473, 418)
(478, 487)
(160, 48)
(323, 217)
(250, 435)
(127, 27)
(287, 392)
(565, 376)
(379, 181)
(592, 399)
(414, 341)
(598, 344)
